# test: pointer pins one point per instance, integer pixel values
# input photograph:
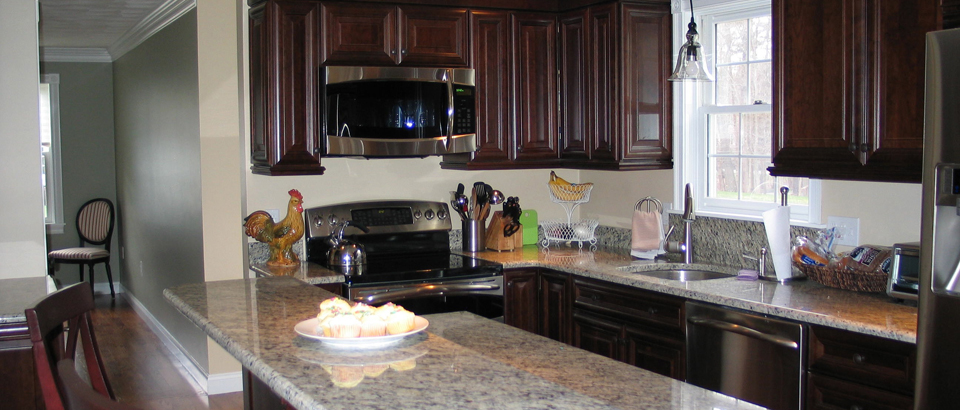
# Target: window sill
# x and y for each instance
(55, 229)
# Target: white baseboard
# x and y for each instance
(104, 288)
(211, 384)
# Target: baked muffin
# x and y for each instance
(386, 309)
(400, 321)
(334, 303)
(346, 376)
(361, 309)
(344, 325)
(372, 325)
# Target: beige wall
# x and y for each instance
(22, 241)
(220, 153)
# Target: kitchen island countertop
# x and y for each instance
(805, 301)
(20, 293)
(461, 361)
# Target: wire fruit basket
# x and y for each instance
(563, 231)
(569, 196)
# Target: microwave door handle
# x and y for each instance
(446, 142)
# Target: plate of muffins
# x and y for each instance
(339, 325)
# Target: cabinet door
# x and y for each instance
(870, 360)
(849, 109)
(19, 385)
(359, 34)
(535, 86)
(656, 350)
(285, 104)
(555, 305)
(520, 299)
(431, 36)
(597, 334)
(601, 63)
(573, 81)
(827, 393)
(491, 60)
(646, 115)
(950, 12)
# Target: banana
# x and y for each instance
(555, 179)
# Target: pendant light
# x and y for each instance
(691, 66)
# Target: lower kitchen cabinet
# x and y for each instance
(554, 292)
(849, 370)
(520, 299)
(19, 386)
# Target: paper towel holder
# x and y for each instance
(796, 274)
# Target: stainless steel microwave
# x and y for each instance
(378, 112)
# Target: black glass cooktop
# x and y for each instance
(422, 268)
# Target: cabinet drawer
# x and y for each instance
(828, 393)
(633, 304)
(865, 359)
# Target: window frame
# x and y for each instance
(691, 117)
(54, 221)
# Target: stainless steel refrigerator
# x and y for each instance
(938, 336)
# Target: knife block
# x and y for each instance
(495, 239)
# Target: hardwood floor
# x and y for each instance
(142, 371)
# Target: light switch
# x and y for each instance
(848, 230)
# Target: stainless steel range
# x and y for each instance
(408, 259)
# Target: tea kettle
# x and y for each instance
(346, 255)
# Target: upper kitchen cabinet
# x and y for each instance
(370, 34)
(951, 13)
(284, 61)
(849, 88)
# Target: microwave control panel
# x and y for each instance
(464, 117)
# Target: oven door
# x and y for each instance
(483, 296)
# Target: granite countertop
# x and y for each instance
(461, 361)
(20, 293)
(805, 301)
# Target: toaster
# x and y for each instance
(904, 280)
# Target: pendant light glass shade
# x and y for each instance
(691, 66)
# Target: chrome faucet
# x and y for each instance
(685, 247)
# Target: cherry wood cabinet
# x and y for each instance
(554, 302)
(849, 370)
(371, 34)
(19, 385)
(520, 299)
(642, 328)
(848, 88)
(284, 79)
(950, 13)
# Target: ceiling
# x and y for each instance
(101, 29)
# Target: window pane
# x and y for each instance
(761, 82)
(760, 39)
(724, 134)
(757, 131)
(758, 185)
(732, 85)
(732, 42)
(724, 177)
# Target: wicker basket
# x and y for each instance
(857, 281)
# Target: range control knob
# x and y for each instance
(441, 214)
(429, 214)
(318, 220)
(416, 214)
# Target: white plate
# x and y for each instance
(308, 329)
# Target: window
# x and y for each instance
(50, 152)
(726, 126)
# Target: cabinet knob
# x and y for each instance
(652, 310)
(509, 284)
(393, 52)
(864, 147)
(403, 52)
(852, 147)
(622, 341)
(595, 297)
(859, 358)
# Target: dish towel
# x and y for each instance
(647, 238)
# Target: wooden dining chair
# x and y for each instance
(95, 226)
(78, 395)
(54, 341)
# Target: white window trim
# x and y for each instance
(55, 223)
(689, 141)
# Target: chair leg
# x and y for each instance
(81, 271)
(91, 278)
(51, 267)
(110, 280)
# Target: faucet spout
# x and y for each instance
(689, 215)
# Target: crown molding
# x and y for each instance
(167, 13)
(74, 55)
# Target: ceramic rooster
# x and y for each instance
(279, 235)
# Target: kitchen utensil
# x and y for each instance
(531, 224)
(496, 197)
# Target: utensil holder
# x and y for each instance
(473, 235)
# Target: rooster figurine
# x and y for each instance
(279, 235)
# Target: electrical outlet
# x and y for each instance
(848, 230)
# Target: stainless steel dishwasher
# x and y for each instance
(746, 355)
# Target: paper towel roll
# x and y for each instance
(777, 223)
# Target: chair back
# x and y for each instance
(45, 320)
(95, 222)
(77, 394)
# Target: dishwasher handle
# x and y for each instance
(745, 331)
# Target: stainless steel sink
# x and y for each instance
(682, 275)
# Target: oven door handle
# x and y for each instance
(429, 290)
